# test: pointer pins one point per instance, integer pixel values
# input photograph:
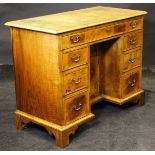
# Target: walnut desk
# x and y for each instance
(65, 62)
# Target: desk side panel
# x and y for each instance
(37, 74)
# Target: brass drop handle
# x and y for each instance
(133, 41)
(76, 80)
(132, 60)
(133, 24)
(76, 58)
(132, 83)
(108, 29)
(78, 106)
(75, 39)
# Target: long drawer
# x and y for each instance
(100, 32)
(82, 37)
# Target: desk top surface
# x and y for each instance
(74, 20)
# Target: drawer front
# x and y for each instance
(131, 82)
(135, 23)
(73, 40)
(75, 58)
(131, 59)
(120, 28)
(132, 40)
(75, 80)
(87, 36)
(76, 107)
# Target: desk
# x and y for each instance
(65, 62)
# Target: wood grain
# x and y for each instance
(77, 19)
(75, 80)
(94, 72)
(135, 23)
(131, 59)
(76, 107)
(61, 133)
(37, 74)
(133, 40)
(109, 66)
(77, 59)
(100, 32)
(131, 82)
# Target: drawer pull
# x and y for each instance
(78, 106)
(76, 58)
(132, 60)
(108, 29)
(133, 41)
(75, 39)
(132, 83)
(133, 24)
(77, 80)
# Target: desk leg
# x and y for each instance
(21, 122)
(62, 137)
(142, 99)
(61, 133)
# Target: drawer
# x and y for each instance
(90, 35)
(120, 27)
(135, 23)
(131, 82)
(75, 80)
(132, 40)
(131, 59)
(75, 58)
(76, 107)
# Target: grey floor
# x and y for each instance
(130, 127)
